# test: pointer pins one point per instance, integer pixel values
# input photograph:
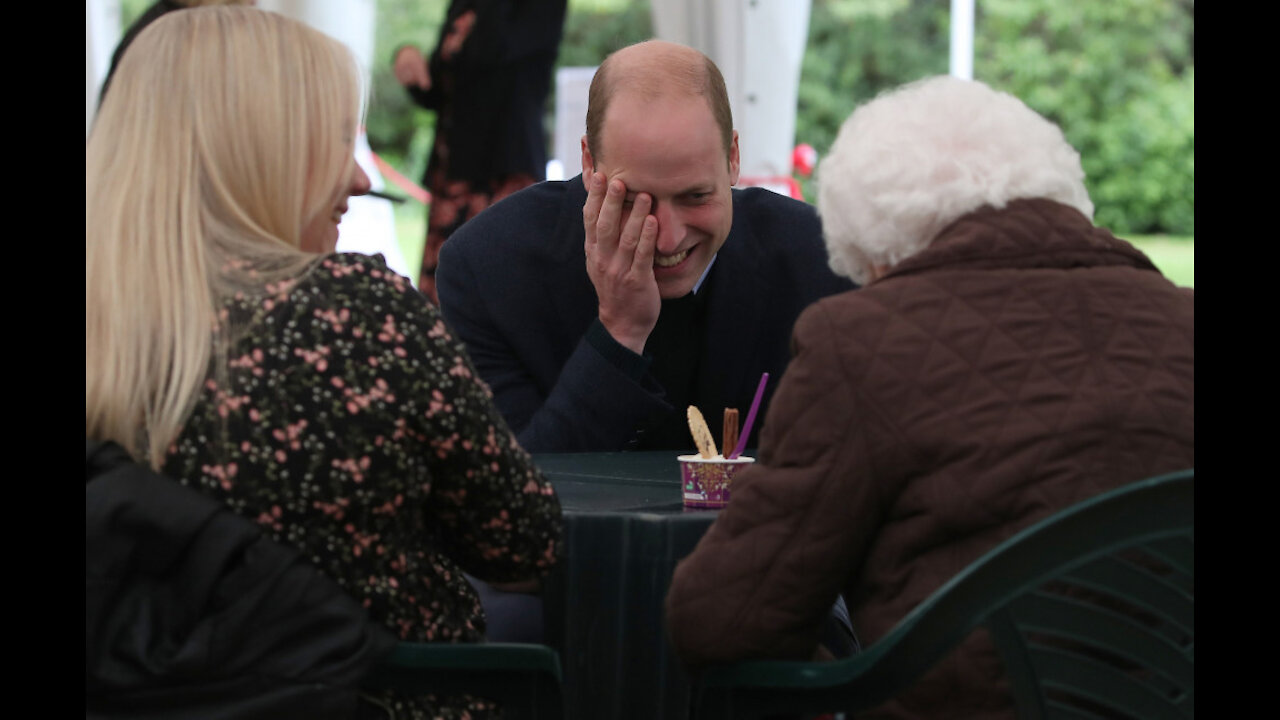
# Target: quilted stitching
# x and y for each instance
(1024, 361)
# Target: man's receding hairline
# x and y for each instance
(653, 70)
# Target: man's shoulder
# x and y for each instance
(537, 208)
(770, 217)
(764, 202)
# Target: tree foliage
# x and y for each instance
(1117, 76)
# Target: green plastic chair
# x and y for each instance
(1115, 666)
(524, 678)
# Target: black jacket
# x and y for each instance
(190, 611)
(490, 97)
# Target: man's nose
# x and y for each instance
(671, 228)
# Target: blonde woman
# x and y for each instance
(148, 16)
(228, 346)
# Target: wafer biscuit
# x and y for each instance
(701, 434)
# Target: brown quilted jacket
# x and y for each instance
(1023, 362)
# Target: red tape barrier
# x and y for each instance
(411, 188)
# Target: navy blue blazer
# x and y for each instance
(513, 285)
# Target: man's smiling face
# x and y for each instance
(671, 149)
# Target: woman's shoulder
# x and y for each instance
(353, 278)
(350, 290)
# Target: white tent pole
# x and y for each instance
(962, 39)
(101, 33)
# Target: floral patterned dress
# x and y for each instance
(353, 427)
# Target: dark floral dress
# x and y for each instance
(353, 427)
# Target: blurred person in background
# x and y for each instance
(487, 80)
(1005, 359)
(228, 346)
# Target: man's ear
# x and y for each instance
(588, 165)
(734, 163)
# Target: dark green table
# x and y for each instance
(625, 530)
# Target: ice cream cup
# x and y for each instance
(705, 482)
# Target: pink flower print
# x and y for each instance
(389, 507)
(222, 474)
(353, 467)
(314, 357)
(502, 522)
(438, 404)
(532, 488)
(357, 401)
(336, 318)
(289, 434)
(457, 497)
(459, 368)
(344, 270)
(389, 332)
(491, 442)
(282, 288)
(335, 510)
(254, 415)
(439, 330)
(228, 404)
(363, 541)
(249, 361)
(272, 518)
(445, 446)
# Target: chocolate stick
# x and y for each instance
(730, 428)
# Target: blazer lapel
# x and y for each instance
(734, 353)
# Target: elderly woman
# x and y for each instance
(1005, 359)
(315, 393)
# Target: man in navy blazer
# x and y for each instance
(690, 287)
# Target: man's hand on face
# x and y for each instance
(620, 261)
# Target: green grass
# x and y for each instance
(411, 232)
(1174, 256)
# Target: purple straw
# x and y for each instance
(751, 418)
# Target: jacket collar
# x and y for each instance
(1030, 233)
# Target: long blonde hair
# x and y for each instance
(226, 130)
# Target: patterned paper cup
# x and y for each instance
(705, 483)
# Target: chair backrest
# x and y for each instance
(1092, 611)
(524, 678)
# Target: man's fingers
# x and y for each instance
(607, 229)
(631, 233)
(648, 243)
(591, 209)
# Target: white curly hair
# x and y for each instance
(915, 159)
